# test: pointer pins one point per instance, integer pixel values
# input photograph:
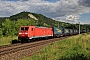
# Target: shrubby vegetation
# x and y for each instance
(0, 33)
(7, 40)
(73, 48)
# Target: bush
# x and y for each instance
(75, 53)
(0, 33)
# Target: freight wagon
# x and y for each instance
(71, 31)
(66, 32)
(57, 32)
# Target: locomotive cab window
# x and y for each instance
(24, 28)
(32, 29)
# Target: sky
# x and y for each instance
(71, 11)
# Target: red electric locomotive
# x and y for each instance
(27, 33)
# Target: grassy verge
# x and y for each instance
(73, 48)
(6, 40)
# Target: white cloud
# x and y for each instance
(73, 18)
(59, 10)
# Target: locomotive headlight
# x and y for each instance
(20, 33)
(26, 33)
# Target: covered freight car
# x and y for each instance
(57, 32)
(27, 33)
(75, 32)
(66, 32)
(71, 31)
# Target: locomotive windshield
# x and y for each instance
(24, 28)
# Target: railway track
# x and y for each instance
(17, 47)
(6, 46)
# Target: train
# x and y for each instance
(30, 33)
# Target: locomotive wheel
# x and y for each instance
(46, 38)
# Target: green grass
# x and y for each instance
(6, 40)
(73, 48)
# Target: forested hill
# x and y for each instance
(11, 25)
(42, 20)
(23, 15)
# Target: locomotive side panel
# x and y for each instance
(42, 32)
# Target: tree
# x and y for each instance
(21, 22)
(7, 27)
